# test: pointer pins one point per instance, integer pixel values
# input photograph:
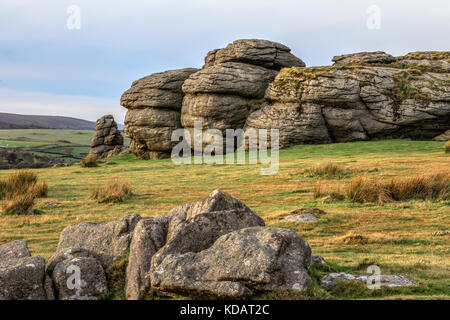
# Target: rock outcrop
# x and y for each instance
(22, 277)
(232, 81)
(372, 97)
(363, 96)
(154, 112)
(107, 140)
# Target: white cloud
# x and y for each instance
(38, 103)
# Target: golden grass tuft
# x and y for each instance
(20, 190)
(329, 170)
(353, 238)
(115, 190)
(322, 190)
(40, 189)
(430, 186)
(90, 161)
(20, 203)
(447, 147)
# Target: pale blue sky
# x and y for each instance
(45, 68)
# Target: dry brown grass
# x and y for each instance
(322, 190)
(40, 189)
(429, 186)
(115, 190)
(447, 147)
(19, 181)
(20, 190)
(19, 204)
(353, 238)
(90, 161)
(329, 170)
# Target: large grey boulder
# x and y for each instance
(264, 53)
(238, 265)
(363, 57)
(215, 201)
(80, 279)
(158, 90)
(107, 140)
(231, 78)
(22, 277)
(104, 242)
(154, 104)
(196, 226)
(151, 130)
(148, 237)
(354, 102)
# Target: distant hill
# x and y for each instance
(18, 121)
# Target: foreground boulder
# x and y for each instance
(104, 242)
(148, 237)
(22, 277)
(107, 140)
(80, 279)
(154, 104)
(239, 264)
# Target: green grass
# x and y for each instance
(400, 236)
(70, 145)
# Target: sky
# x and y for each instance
(50, 66)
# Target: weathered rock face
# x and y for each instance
(363, 57)
(154, 104)
(443, 137)
(22, 277)
(104, 242)
(196, 226)
(148, 237)
(263, 53)
(83, 254)
(91, 284)
(358, 101)
(238, 265)
(363, 96)
(107, 140)
(221, 95)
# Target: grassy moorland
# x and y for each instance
(398, 236)
(69, 145)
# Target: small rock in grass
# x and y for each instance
(318, 260)
(390, 280)
(441, 233)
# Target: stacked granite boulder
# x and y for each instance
(363, 96)
(154, 111)
(259, 84)
(107, 140)
(232, 82)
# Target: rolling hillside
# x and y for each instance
(18, 121)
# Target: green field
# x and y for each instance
(400, 235)
(69, 145)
